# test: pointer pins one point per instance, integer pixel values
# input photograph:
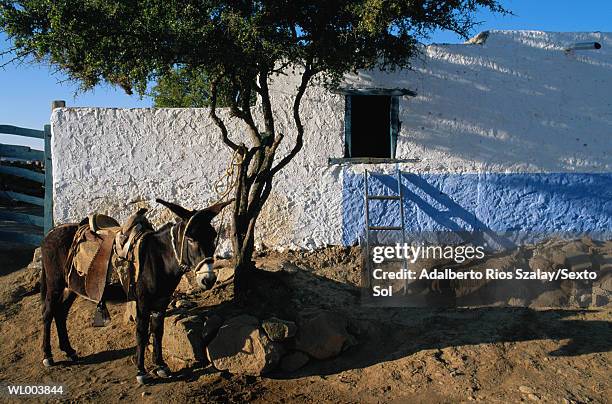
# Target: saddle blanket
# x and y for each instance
(94, 255)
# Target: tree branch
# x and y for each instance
(243, 111)
(299, 140)
(218, 121)
(266, 105)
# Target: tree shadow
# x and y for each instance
(104, 356)
(187, 375)
(390, 333)
(585, 337)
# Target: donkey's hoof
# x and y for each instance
(48, 362)
(163, 372)
(142, 379)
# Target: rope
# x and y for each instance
(224, 185)
(228, 180)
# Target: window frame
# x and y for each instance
(394, 126)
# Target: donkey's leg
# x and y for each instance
(46, 342)
(157, 327)
(61, 315)
(53, 303)
(143, 315)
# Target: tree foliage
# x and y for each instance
(183, 88)
(236, 45)
(131, 43)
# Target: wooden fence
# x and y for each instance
(25, 217)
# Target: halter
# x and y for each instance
(184, 266)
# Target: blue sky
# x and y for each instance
(26, 90)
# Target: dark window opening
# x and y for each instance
(371, 126)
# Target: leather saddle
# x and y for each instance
(100, 245)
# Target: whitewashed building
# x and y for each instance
(511, 135)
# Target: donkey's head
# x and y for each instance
(194, 240)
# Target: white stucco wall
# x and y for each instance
(117, 160)
(518, 103)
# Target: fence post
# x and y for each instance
(48, 208)
(57, 104)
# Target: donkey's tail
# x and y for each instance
(43, 283)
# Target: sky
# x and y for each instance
(26, 90)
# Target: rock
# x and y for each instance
(279, 330)
(525, 389)
(551, 298)
(576, 246)
(600, 300)
(605, 263)
(241, 347)
(602, 290)
(129, 315)
(321, 334)
(183, 339)
(36, 259)
(224, 274)
(294, 361)
(185, 286)
(578, 261)
(539, 262)
(574, 287)
(211, 326)
(186, 304)
(604, 282)
(584, 298)
(517, 302)
(557, 259)
(289, 267)
(533, 397)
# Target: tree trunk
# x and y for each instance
(243, 242)
(256, 170)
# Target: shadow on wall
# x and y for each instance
(518, 100)
(497, 210)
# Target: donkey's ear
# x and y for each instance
(217, 207)
(176, 209)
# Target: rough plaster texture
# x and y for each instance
(504, 209)
(117, 160)
(517, 104)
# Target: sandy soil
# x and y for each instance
(403, 355)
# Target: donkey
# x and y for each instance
(166, 254)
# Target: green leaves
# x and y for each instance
(131, 43)
(183, 87)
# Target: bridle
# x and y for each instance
(185, 266)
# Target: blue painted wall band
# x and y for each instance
(524, 207)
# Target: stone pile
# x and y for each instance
(246, 345)
(576, 256)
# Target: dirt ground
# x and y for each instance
(403, 355)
